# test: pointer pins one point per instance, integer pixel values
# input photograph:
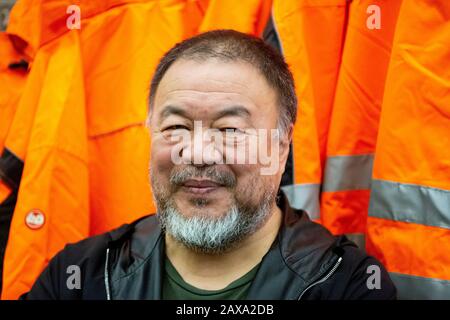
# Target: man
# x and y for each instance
(222, 109)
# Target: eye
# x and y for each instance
(176, 127)
(231, 130)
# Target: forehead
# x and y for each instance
(212, 83)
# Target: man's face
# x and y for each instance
(204, 177)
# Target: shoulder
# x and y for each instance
(368, 278)
(331, 267)
(358, 277)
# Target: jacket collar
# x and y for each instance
(300, 255)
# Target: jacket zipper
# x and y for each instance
(325, 278)
(108, 292)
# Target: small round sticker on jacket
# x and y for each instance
(35, 219)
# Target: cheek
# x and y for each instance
(249, 180)
(251, 184)
(161, 161)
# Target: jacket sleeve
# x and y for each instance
(370, 281)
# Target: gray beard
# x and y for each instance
(212, 235)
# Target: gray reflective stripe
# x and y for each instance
(305, 197)
(410, 203)
(414, 287)
(358, 238)
(348, 173)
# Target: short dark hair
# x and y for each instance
(231, 45)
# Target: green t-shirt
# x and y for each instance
(175, 288)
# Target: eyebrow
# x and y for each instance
(172, 110)
(239, 111)
(236, 110)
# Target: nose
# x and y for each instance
(203, 149)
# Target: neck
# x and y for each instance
(216, 271)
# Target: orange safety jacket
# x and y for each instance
(409, 212)
(13, 74)
(355, 116)
(34, 137)
(311, 36)
(248, 16)
(79, 125)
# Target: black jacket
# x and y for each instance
(305, 262)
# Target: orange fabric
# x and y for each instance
(357, 106)
(56, 153)
(127, 196)
(250, 16)
(10, 93)
(302, 26)
(79, 125)
(15, 80)
(5, 191)
(417, 94)
(345, 211)
(412, 144)
(410, 248)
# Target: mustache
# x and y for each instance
(224, 178)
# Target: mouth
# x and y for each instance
(200, 187)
